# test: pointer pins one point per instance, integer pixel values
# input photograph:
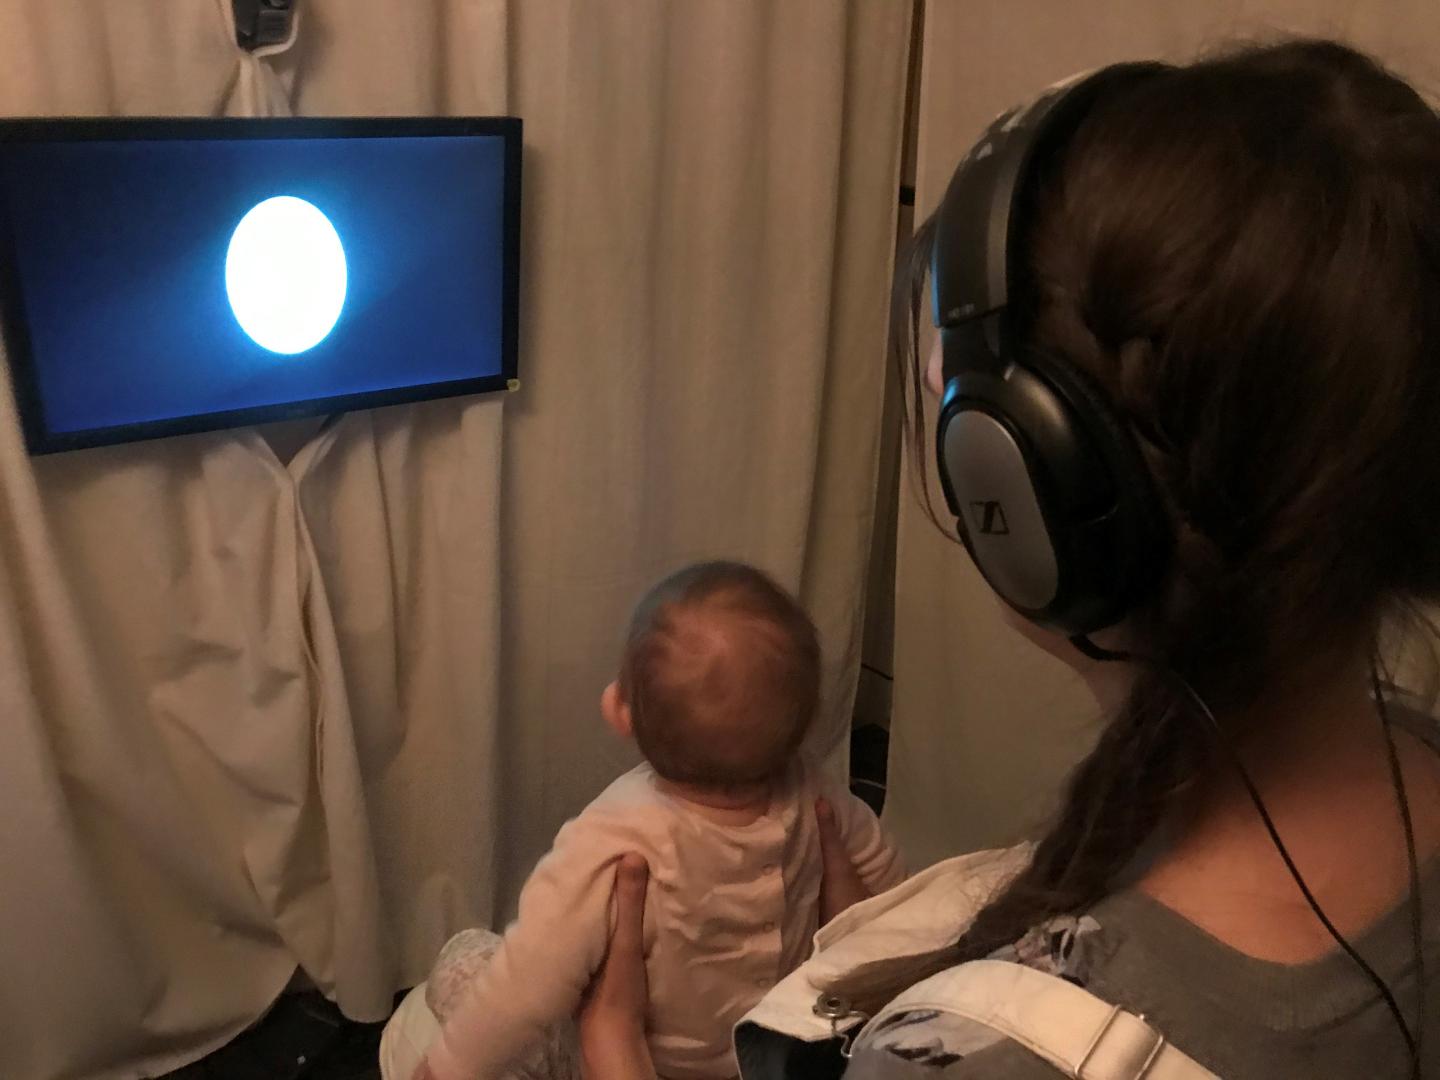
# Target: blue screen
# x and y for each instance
(121, 253)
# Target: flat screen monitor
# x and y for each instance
(168, 276)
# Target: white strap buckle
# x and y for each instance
(1158, 1045)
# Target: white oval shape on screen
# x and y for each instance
(285, 274)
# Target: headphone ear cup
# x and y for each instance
(1141, 535)
(995, 479)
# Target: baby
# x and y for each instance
(718, 684)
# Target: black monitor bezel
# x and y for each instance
(40, 439)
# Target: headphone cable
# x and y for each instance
(1402, 798)
(1097, 652)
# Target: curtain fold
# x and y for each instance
(402, 506)
(165, 809)
(132, 863)
(986, 726)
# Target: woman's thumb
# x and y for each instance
(632, 876)
(633, 873)
(841, 886)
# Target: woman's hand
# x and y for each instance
(612, 1016)
(840, 885)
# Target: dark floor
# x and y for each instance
(304, 1037)
(869, 751)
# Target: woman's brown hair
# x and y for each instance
(1245, 253)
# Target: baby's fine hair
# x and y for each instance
(721, 672)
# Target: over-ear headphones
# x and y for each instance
(1050, 494)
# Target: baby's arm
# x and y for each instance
(541, 968)
(875, 856)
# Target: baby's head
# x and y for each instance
(720, 677)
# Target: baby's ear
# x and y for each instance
(616, 712)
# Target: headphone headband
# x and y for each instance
(977, 225)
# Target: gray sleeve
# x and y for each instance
(928, 1044)
(1000, 1061)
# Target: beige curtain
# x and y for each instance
(985, 725)
(321, 713)
(162, 815)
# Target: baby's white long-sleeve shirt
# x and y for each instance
(730, 910)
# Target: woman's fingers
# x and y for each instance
(632, 876)
(841, 886)
(618, 995)
(612, 1016)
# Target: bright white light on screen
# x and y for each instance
(285, 274)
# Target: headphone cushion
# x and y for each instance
(1142, 530)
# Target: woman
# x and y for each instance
(1243, 257)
